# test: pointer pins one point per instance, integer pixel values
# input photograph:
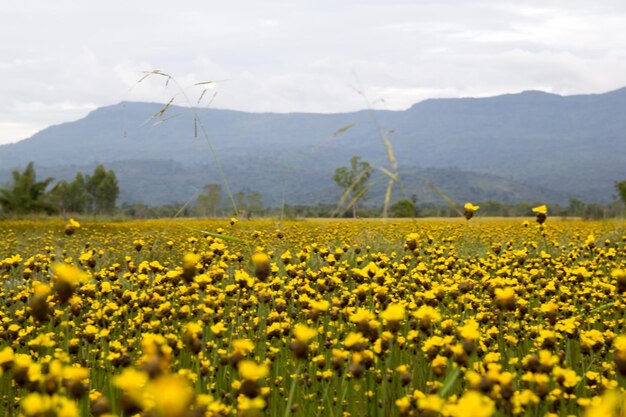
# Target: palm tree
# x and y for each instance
(26, 195)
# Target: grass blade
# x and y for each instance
(343, 129)
(449, 382)
(215, 235)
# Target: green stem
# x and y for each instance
(292, 390)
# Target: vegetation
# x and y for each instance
(403, 208)
(620, 186)
(102, 191)
(26, 195)
(249, 203)
(249, 318)
(208, 202)
(354, 181)
(71, 197)
(96, 194)
(399, 209)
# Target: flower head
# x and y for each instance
(469, 210)
(250, 370)
(542, 213)
(67, 278)
(393, 316)
(303, 333)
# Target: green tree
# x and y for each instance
(26, 194)
(209, 200)
(249, 203)
(254, 204)
(70, 197)
(620, 186)
(102, 190)
(576, 207)
(91, 186)
(77, 194)
(402, 208)
(107, 192)
(58, 195)
(354, 180)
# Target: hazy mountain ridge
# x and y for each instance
(531, 145)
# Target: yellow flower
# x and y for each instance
(71, 227)
(171, 394)
(469, 331)
(540, 209)
(469, 210)
(505, 298)
(619, 275)
(130, 379)
(474, 404)
(191, 259)
(605, 406)
(252, 371)
(75, 373)
(36, 404)
(303, 333)
(67, 278)
(591, 338)
(218, 328)
(427, 315)
(394, 313)
(243, 279)
(403, 403)
(431, 403)
(193, 330)
(250, 404)
(260, 258)
(570, 378)
(243, 346)
(133, 383)
(619, 343)
(362, 316)
(321, 305)
(6, 356)
(69, 274)
(355, 341)
(412, 240)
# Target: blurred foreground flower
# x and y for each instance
(300, 344)
(393, 317)
(251, 372)
(67, 278)
(39, 303)
(190, 261)
(71, 227)
(469, 210)
(542, 213)
(261, 263)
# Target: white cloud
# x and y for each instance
(66, 58)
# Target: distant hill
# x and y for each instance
(530, 146)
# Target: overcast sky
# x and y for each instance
(61, 59)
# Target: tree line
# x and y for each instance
(94, 194)
(98, 192)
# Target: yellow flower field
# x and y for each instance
(313, 318)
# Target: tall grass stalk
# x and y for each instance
(197, 124)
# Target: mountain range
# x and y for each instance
(531, 146)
